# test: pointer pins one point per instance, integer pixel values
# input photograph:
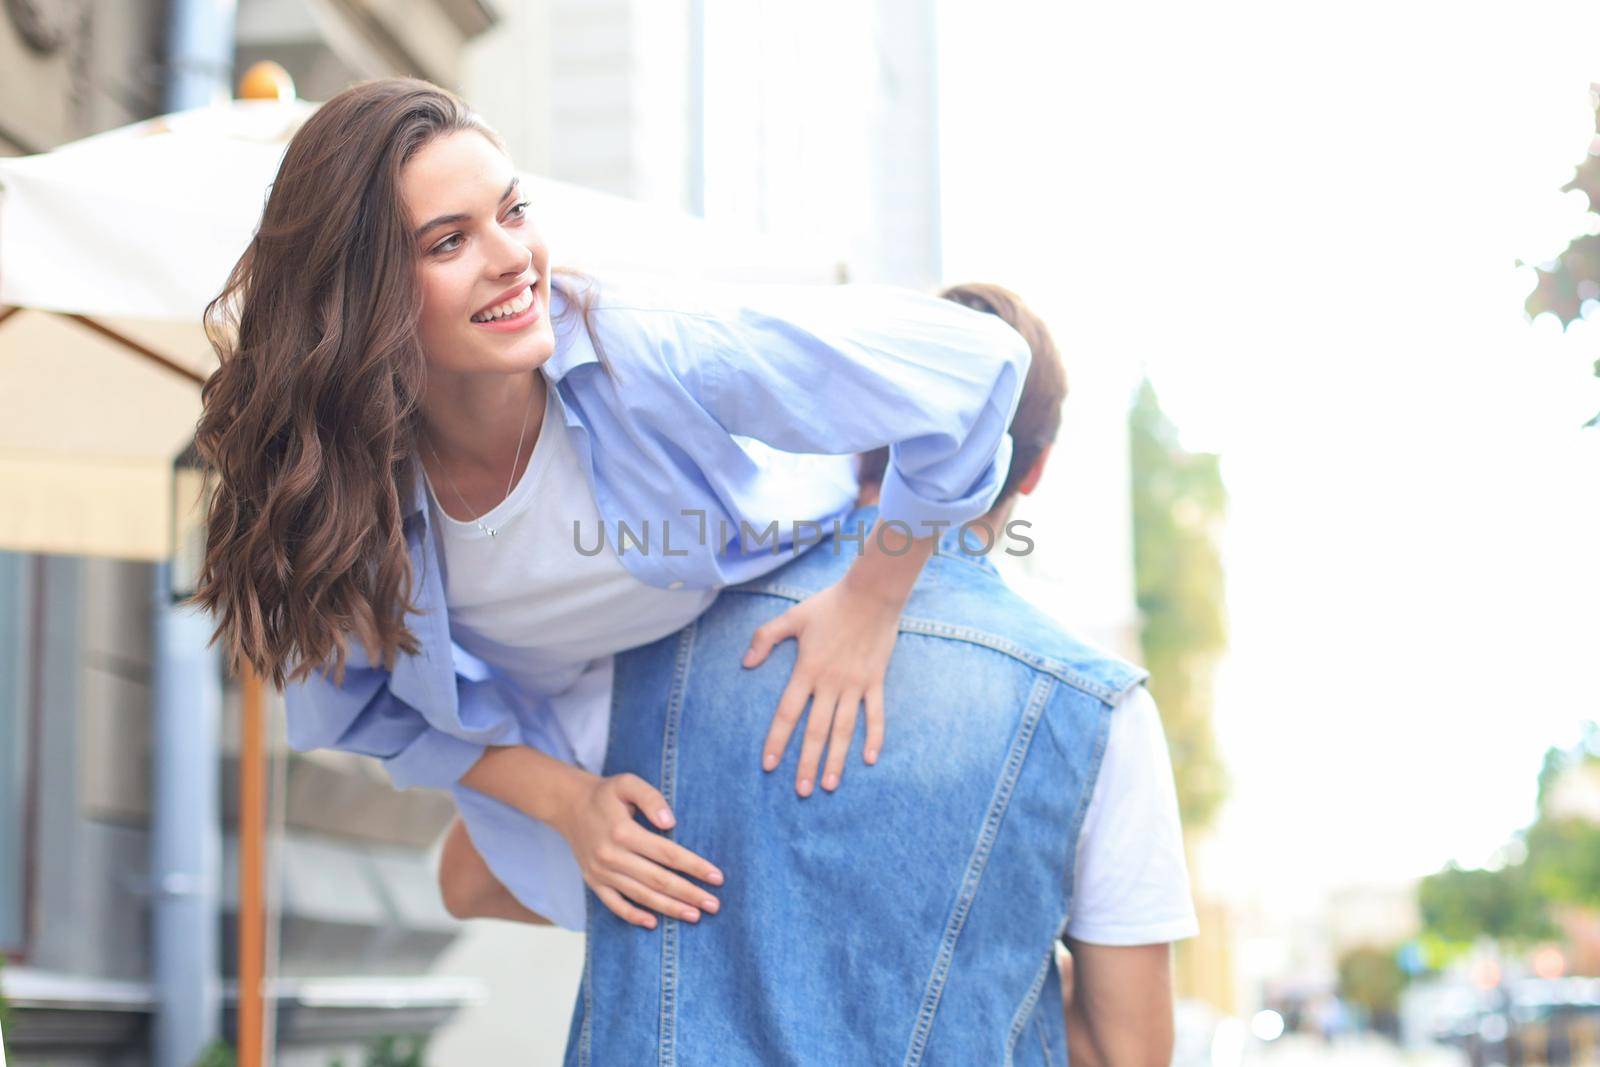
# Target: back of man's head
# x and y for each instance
(1038, 414)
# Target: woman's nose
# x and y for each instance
(513, 256)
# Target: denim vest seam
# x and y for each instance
(1019, 1021)
(963, 557)
(586, 987)
(1050, 666)
(586, 1036)
(976, 863)
(667, 1053)
(935, 628)
(1096, 758)
(616, 703)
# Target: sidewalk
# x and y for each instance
(1297, 1050)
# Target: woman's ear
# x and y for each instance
(1031, 479)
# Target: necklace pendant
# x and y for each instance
(488, 531)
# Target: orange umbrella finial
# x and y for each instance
(265, 80)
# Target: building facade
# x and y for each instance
(361, 924)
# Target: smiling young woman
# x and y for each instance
(483, 315)
(347, 336)
(400, 396)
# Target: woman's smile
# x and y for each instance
(515, 314)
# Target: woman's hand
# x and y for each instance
(626, 864)
(845, 636)
(620, 860)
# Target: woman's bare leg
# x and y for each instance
(470, 890)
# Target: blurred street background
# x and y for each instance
(1323, 277)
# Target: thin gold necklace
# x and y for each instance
(514, 461)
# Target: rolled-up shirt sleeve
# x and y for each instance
(362, 715)
(850, 368)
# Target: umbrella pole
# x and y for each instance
(252, 916)
(143, 351)
(249, 1043)
(134, 346)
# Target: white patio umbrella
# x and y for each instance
(110, 248)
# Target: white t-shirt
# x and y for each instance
(550, 619)
(537, 602)
(1131, 884)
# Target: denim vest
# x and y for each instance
(910, 917)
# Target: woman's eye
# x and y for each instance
(520, 208)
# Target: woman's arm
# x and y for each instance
(851, 368)
(623, 862)
(848, 369)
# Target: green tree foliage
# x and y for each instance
(404, 1051)
(5, 1007)
(1371, 979)
(217, 1054)
(1461, 906)
(1563, 850)
(1574, 275)
(1559, 865)
(1564, 855)
(1178, 505)
(1555, 762)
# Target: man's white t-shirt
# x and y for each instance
(1131, 884)
(550, 618)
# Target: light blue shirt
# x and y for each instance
(728, 408)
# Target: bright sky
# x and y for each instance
(1303, 221)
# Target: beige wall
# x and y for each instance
(103, 72)
(327, 44)
(507, 78)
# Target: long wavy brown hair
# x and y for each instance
(309, 425)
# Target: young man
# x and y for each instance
(1023, 795)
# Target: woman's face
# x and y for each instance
(478, 253)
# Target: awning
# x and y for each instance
(110, 248)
